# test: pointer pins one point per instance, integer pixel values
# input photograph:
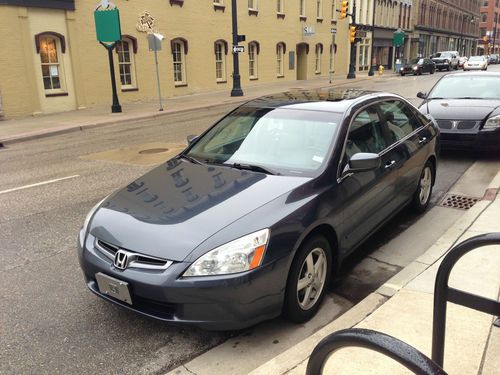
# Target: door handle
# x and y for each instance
(422, 141)
(390, 164)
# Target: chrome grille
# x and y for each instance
(444, 124)
(137, 260)
(466, 125)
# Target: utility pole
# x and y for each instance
(352, 61)
(495, 33)
(236, 91)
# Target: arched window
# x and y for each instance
(126, 48)
(220, 49)
(179, 48)
(51, 45)
(280, 59)
(317, 62)
(333, 51)
(253, 52)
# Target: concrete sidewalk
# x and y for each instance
(403, 308)
(27, 128)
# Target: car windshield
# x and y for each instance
(467, 86)
(415, 61)
(443, 55)
(286, 141)
(476, 58)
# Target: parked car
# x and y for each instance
(253, 218)
(493, 59)
(476, 63)
(418, 66)
(466, 107)
(462, 61)
(446, 60)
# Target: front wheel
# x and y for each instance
(308, 279)
(432, 71)
(422, 195)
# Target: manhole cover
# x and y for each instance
(461, 202)
(153, 151)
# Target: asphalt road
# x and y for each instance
(49, 321)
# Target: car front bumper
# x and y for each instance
(477, 141)
(226, 302)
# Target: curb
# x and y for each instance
(298, 354)
(44, 133)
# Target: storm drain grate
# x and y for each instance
(461, 202)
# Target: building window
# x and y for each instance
(302, 8)
(280, 59)
(319, 11)
(280, 6)
(252, 5)
(220, 48)
(331, 63)
(51, 67)
(125, 50)
(334, 10)
(317, 62)
(179, 51)
(253, 51)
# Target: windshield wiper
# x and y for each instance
(190, 158)
(250, 167)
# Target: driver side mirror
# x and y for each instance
(421, 95)
(361, 162)
(191, 138)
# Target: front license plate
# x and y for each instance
(113, 287)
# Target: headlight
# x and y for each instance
(91, 213)
(446, 62)
(415, 68)
(240, 255)
(492, 123)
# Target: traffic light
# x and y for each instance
(352, 33)
(344, 5)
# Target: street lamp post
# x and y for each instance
(236, 91)
(495, 33)
(352, 61)
(372, 68)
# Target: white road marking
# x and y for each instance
(38, 184)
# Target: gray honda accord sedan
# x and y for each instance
(254, 217)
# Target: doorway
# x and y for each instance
(302, 51)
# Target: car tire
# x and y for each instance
(299, 306)
(448, 68)
(432, 71)
(422, 195)
(402, 74)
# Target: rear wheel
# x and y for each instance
(422, 195)
(433, 70)
(308, 279)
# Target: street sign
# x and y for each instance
(360, 34)
(107, 25)
(154, 41)
(333, 30)
(238, 49)
(398, 38)
(308, 31)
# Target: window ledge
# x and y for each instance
(128, 89)
(319, 19)
(221, 81)
(253, 12)
(254, 78)
(181, 84)
(177, 2)
(219, 7)
(317, 73)
(303, 18)
(280, 15)
(280, 76)
(333, 22)
(55, 94)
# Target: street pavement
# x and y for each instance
(51, 324)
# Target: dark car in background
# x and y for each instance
(466, 107)
(493, 59)
(418, 66)
(257, 214)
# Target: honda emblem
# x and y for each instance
(121, 259)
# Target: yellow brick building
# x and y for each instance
(54, 62)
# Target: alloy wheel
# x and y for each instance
(425, 185)
(312, 278)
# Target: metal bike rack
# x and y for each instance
(443, 293)
(398, 350)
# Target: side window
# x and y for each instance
(399, 118)
(365, 134)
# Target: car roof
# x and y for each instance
(330, 99)
(472, 74)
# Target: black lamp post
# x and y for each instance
(352, 61)
(236, 91)
(495, 32)
(372, 68)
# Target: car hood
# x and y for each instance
(172, 209)
(463, 109)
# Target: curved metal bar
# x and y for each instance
(443, 293)
(390, 346)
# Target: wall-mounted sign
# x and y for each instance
(308, 31)
(238, 49)
(146, 23)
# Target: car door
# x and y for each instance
(410, 138)
(368, 196)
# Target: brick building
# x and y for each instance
(489, 27)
